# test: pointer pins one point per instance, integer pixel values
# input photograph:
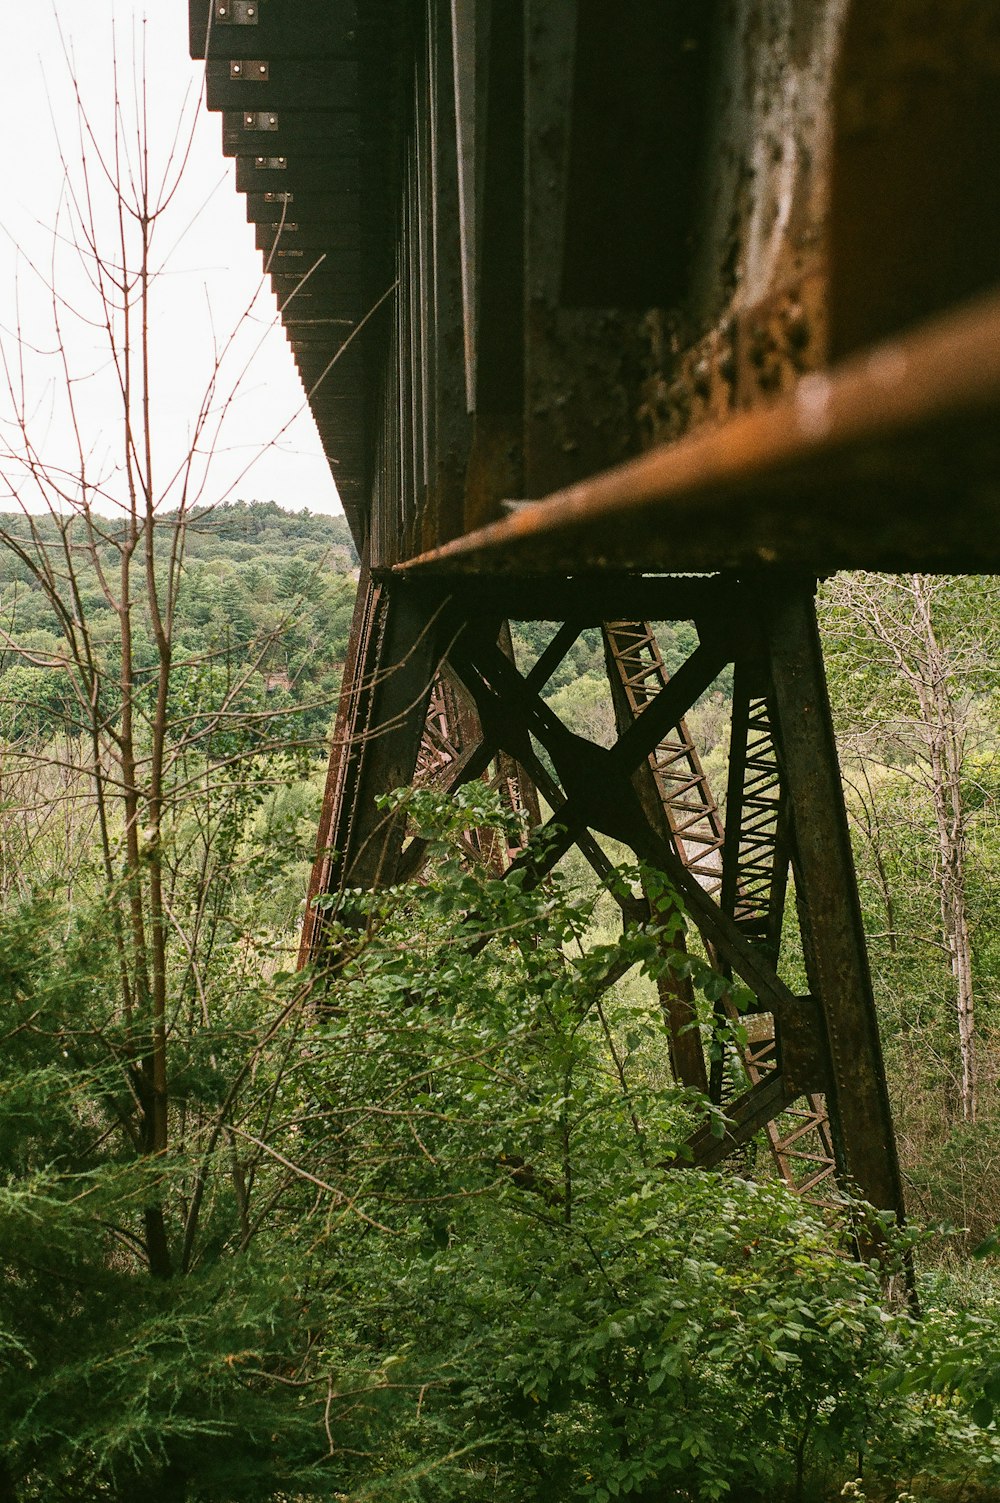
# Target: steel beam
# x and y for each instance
(599, 792)
(836, 957)
(394, 653)
(888, 461)
(496, 339)
(637, 676)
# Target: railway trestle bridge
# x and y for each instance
(618, 315)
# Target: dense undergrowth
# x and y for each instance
(438, 1253)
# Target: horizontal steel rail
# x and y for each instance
(888, 461)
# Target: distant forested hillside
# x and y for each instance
(257, 584)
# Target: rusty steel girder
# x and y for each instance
(691, 810)
(606, 792)
(376, 743)
(514, 245)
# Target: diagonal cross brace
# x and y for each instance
(585, 770)
(605, 799)
(476, 760)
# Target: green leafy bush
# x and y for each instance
(444, 1251)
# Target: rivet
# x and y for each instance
(263, 66)
(236, 67)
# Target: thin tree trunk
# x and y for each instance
(945, 751)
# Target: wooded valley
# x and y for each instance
(401, 1226)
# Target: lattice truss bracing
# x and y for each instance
(754, 893)
(482, 717)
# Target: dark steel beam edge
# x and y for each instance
(887, 438)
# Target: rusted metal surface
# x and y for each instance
(914, 215)
(802, 1053)
(756, 847)
(496, 295)
(376, 744)
(750, 887)
(851, 472)
(751, 316)
(444, 735)
(352, 725)
(597, 786)
(391, 671)
(453, 751)
(571, 283)
(579, 362)
(637, 676)
(760, 226)
(766, 1099)
(834, 941)
(676, 767)
(450, 422)
(756, 856)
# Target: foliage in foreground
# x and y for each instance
(439, 1255)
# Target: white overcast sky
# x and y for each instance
(211, 277)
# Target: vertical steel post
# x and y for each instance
(383, 709)
(823, 864)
